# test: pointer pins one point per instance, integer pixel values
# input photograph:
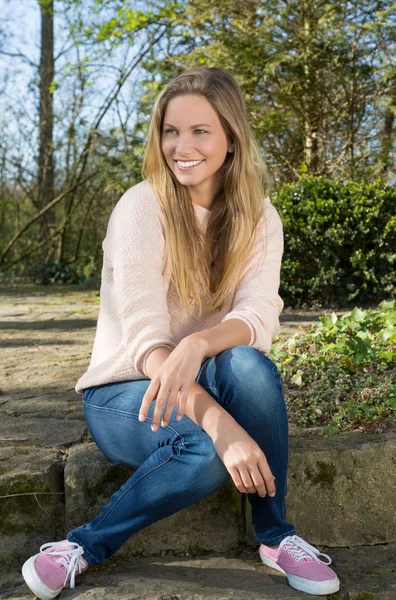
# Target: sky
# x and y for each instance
(20, 25)
(20, 32)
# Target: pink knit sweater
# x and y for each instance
(139, 308)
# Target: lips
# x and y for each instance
(187, 168)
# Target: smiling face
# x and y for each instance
(192, 132)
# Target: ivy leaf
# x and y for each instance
(297, 378)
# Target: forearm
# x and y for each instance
(206, 412)
(155, 360)
(201, 408)
(230, 333)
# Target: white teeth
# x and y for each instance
(188, 164)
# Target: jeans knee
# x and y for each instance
(251, 374)
(209, 472)
(215, 471)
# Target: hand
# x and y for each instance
(244, 460)
(173, 381)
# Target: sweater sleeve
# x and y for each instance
(256, 300)
(134, 244)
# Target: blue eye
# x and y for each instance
(169, 130)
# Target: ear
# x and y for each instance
(230, 148)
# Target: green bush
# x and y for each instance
(52, 272)
(341, 373)
(85, 273)
(340, 242)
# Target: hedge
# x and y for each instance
(340, 242)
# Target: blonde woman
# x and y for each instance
(180, 386)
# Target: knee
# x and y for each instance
(247, 364)
(209, 472)
(252, 375)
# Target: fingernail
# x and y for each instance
(163, 423)
(179, 418)
(272, 495)
(141, 417)
(154, 427)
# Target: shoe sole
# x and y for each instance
(320, 588)
(34, 582)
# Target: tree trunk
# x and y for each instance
(311, 128)
(47, 68)
(387, 132)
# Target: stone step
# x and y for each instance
(340, 493)
(366, 573)
(340, 490)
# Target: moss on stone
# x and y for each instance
(3, 470)
(7, 563)
(15, 508)
(225, 497)
(116, 475)
(198, 550)
(347, 596)
(325, 474)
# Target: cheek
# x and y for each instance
(167, 146)
(214, 149)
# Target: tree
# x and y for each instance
(45, 192)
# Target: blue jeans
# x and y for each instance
(178, 465)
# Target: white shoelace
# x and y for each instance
(70, 559)
(300, 549)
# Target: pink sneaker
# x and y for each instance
(302, 566)
(48, 572)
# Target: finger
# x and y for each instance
(247, 480)
(165, 395)
(268, 477)
(183, 396)
(237, 480)
(159, 405)
(258, 481)
(171, 403)
(148, 397)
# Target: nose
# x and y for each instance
(184, 145)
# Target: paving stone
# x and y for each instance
(364, 573)
(46, 341)
(341, 489)
(213, 524)
(32, 498)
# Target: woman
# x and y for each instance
(189, 306)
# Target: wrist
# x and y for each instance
(220, 424)
(199, 344)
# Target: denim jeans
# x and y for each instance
(178, 465)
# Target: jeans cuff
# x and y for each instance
(276, 541)
(87, 555)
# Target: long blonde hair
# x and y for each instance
(209, 266)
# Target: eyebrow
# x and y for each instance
(192, 126)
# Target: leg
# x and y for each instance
(248, 385)
(176, 466)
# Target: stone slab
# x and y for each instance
(31, 498)
(39, 431)
(342, 489)
(57, 404)
(214, 524)
(365, 574)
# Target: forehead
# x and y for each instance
(190, 109)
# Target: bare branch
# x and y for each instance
(34, 494)
(42, 212)
(20, 55)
